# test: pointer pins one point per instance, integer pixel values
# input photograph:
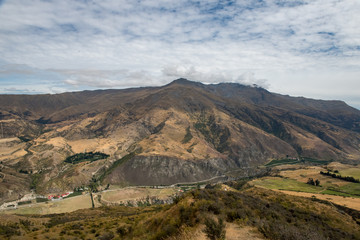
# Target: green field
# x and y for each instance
(351, 188)
(277, 162)
(348, 190)
(351, 172)
(336, 193)
(286, 184)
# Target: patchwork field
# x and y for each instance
(59, 206)
(285, 184)
(293, 180)
(111, 197)
(135, 195)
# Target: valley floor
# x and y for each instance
(280, 206)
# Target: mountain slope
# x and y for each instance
(183, 131)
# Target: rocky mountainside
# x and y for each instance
(181, 132)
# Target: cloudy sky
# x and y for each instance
(305, 48)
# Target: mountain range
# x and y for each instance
(182, 132)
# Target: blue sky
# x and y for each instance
(301, 48)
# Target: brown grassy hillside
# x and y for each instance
(183, 131)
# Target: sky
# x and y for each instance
(307, 48)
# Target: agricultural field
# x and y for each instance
(352, 172)
(132, 195)
(120, 196)
(286, 184)
(293, 180)
(250, 213)
(58, 206)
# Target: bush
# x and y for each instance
(9, 230)
(214, 230)
(39, 200)
(188, 136)
(24, 202)
(106, 236)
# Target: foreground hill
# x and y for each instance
(253, 213)
(182, 132)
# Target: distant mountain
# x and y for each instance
(182, 132)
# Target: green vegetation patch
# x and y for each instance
(188, 136)
(85, 157)
(74, 194)
(214, 133)
(286, 184)
(35, 179)
(351, 188)
(9, 230)
(344, 178)
(283, 161)
(24, 202)
(352, 172)
(24, 138)
(39, 200)
(336, 193)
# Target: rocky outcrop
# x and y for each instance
(162, 170)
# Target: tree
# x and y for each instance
(310, 181)
(93, 184)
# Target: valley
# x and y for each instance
(181, 132)
(170, 162)
(240, 210)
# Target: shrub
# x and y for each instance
(9, 230)
(214, 230)
(106, 236)
(24, 202)
(188, 136)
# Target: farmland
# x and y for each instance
(117, 196)
(292, 179)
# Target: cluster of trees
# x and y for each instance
(86, 156)
(311, 181)
(188, 136)
(346, 178)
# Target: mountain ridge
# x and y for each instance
(182, 131)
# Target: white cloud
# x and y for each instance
(109, 43)
(191, 72)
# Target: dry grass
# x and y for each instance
(83, 201)
(349, 202)
(127, 194)
(11, 148)
(233, 232)
(236, 232)
(62, 206)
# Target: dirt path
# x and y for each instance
(233, 232)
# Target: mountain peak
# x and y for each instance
(184, 81)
